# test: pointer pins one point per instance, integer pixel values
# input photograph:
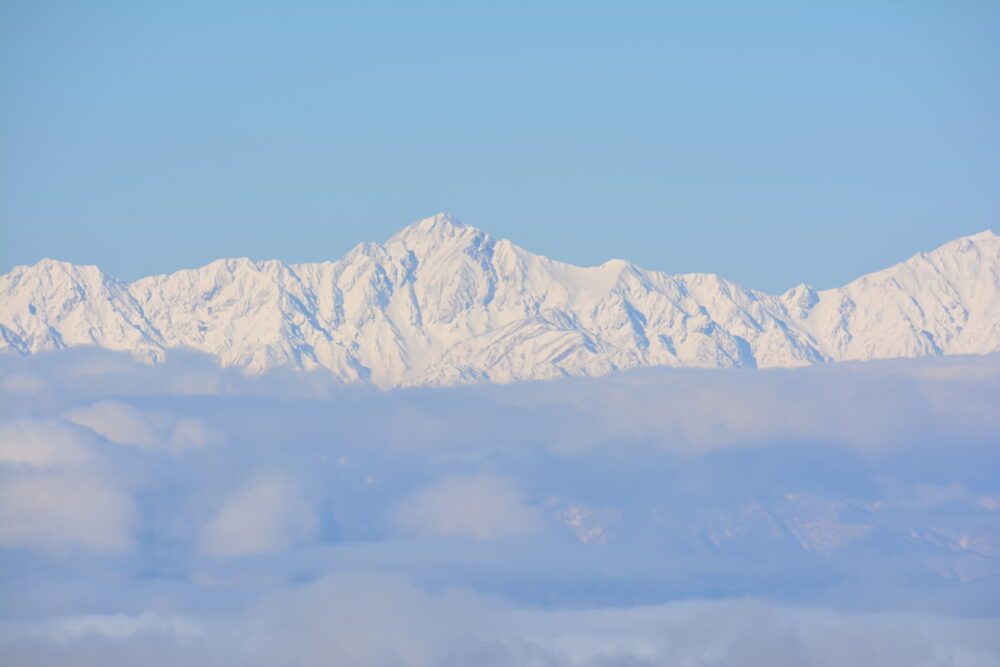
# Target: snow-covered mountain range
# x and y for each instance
(444, 303)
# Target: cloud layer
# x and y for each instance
(817, 516)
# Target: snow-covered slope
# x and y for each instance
(443, 303)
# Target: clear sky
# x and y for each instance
(772, 143)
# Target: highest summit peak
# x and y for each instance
(438, 227)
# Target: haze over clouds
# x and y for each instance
(845, 514)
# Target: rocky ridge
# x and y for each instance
(445, 303)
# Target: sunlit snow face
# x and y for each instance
(443, 303)
(778, 517)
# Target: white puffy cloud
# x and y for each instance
(118, 422)
(60, 510)
(477, 506)
(126, 425)
(841, 488)
(264, 518)
(42, 442)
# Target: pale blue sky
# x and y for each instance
(770, 142)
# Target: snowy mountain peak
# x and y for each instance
(984, 242)
(442, 302)
(55, 267)
(443, 225)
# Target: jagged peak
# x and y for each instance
(803, 296)
(616, 267)
(234, 264)
(985, 241)
(58, 266)
(438, 227)
(987, 236)
(226, 265)
(614, 264)
(799, 289)
(48, 264)
(341, 323)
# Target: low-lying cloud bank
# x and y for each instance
(847, 514)
(374, 619)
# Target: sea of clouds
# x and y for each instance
(188, 514)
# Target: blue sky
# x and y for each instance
(770, 142)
